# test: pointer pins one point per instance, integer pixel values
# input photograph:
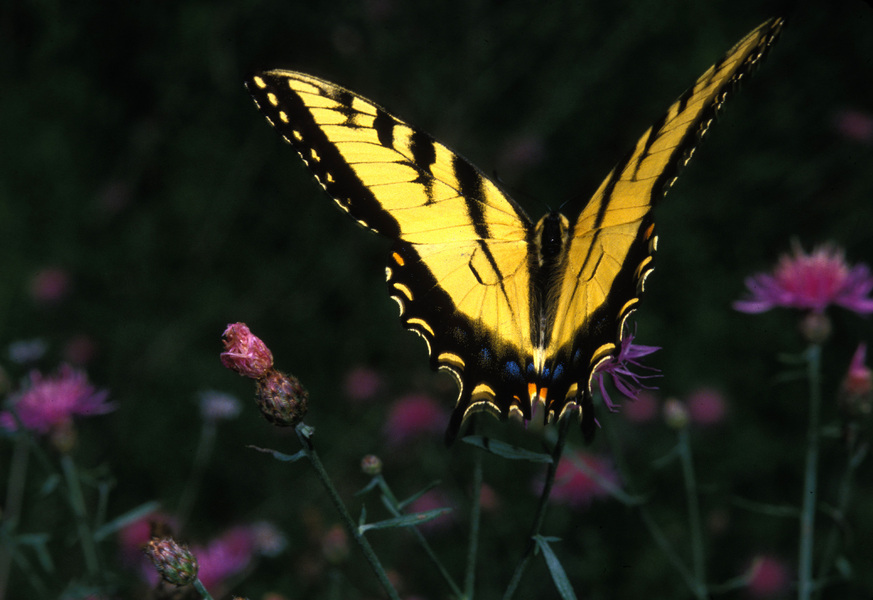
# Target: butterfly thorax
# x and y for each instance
(548, 256)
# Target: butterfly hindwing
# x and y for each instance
(521, 314)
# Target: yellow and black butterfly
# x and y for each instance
(520, 313)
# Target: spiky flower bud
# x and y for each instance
(371, 464)
(174, 563)
(244, 352)
(282, 399)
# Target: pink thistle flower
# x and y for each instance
(335, 545)
(414, 416)
(362, 383)
(643, 409)
(768, 577)
(244, 352)
(224, 557)
(706, 406)
(627, 382)
(854, 125)
(810, 282)
(49, 403)
(50, 285)
(581, 478)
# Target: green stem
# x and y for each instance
(805, 583)
(540, 515)
(697, 554)
(12, 506)
(77, 503)
(304, 435)
(201, 457)
(204, 593)
(394, 506)
(475, 518)
(855, 458)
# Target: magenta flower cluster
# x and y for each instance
(810, 282)
(52, 401)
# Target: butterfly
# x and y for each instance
(521, 313)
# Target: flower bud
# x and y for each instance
(282, 399)
(816, 327)
(174, 563)
(856, 390)
(675, 414)
(244, 352)
(371, 464)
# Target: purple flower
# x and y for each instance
(414, 416)
(580, 478)
(627, 382)
(50, 402)
(810, 282)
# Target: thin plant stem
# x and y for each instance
(394, 506)
(539, 517)
(204, 593)
(77, 503)
(805, 584)
(475, 518)
(12, 506)
(855, 458)
(201, 458)
(304, 435)
(697, 554)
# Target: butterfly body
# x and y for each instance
(521, 313)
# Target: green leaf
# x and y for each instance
(125, 519)
(505, 450)
(412, 520)
(389, 501)
(559, 576)
(279, 455)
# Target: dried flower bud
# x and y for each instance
(371, 464)
(282, 399)
(675, 414)
(244, 352)
(174, 563)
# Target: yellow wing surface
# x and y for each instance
(519, 313)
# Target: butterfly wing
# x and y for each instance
(459, 268)
(611, 243)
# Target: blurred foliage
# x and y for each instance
(134, 161)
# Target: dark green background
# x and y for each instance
(133, 158)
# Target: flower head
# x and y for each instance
(49, 403)
(175, 563)
(231, 553)
(218, 406)
(627, 382)
(413, 416)
(282, 398)
(856, 390)
(706, 406)
(810, 282)
(244, 352)
(582, 477)
(362, 384)
(768, 577)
